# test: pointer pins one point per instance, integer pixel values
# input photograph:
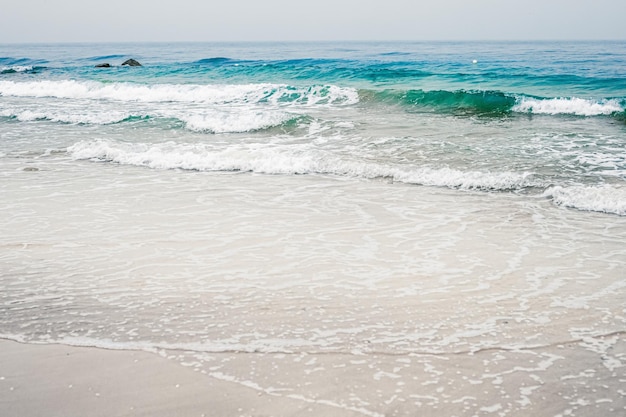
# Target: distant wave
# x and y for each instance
(188, 93)
(21, 69)
(275, 160)
(335, 70)
(15, 68)
(9, 61)
(10, 65)
(216, 61)
(102, 57)
(395, 54)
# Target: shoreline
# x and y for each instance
(68, 381)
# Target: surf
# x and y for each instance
(291, 160)
(493, 103)
(182, 93)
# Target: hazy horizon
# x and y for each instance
(71, 21)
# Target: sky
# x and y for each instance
(301, 20)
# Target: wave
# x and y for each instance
(70, 117)
(458, 103)
(10, 65)
(604, 199)
(479, 102)
(335, 71)
(392, 69)
(14, 69)
(570, 106)
(103, 57)
(188, 93)
(5, 60)
(217, 61)
(237, 121)
(268, 159)
(462, 102)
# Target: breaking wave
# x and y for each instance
(495, 103)
(605, 199)
(207, 121)
(275, 160)
(574, 106)
(267, 159)
(185, 93)
(14, 69)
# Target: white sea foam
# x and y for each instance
(573, 106)
(187, 93)
(286, 160)
(205, 120)
(454, 178)
(69, 116)
(16, 68)
(230, 122)
(605, 199)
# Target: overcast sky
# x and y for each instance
(283, 20)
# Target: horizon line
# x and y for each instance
(311, 41)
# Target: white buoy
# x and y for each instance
(474, 62)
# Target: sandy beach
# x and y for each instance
(150, 293)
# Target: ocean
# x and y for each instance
(448, 217)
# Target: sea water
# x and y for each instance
(531, 118)
(439, 215)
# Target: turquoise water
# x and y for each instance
(539, 118)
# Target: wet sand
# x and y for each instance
(57, 380)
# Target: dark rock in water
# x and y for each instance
(105, 65)
(131, 62)
(31, 169)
